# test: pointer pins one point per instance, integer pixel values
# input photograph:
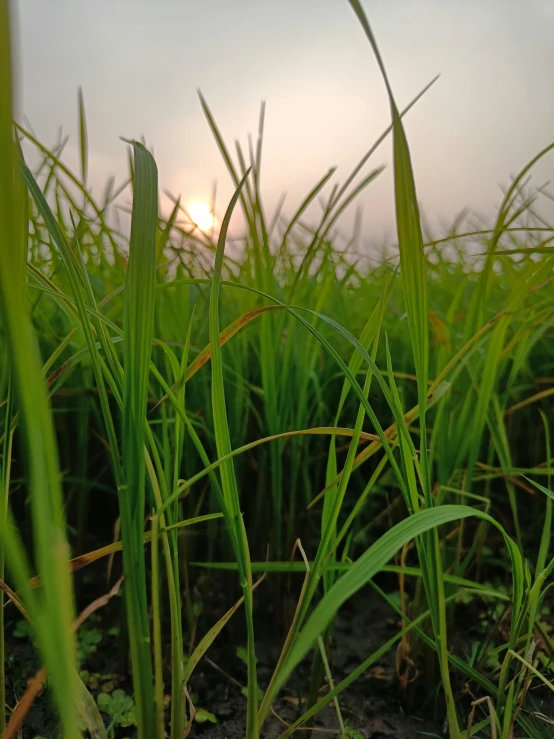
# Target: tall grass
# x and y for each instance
(51, 609)
(337, 393)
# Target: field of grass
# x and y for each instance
(279, 411)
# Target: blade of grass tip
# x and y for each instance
(476, 311)
(233, 515)
(277, 213)
(379, 141)
(83, 137)
(248, 189)
(258, 162)
(219, 140)
(410, 239)
(314, 192)
(140, 284)
(413, 268)
(52, 611)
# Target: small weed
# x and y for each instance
(87, 642)
(352, 733)
(202, 716)
(119, 706)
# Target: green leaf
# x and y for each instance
(201, 716)
(140, 291)
(373, 560)
(83, 137)
(540, 487)
(232, 512)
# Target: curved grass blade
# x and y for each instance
(414, 283)
(83, 560)
(372, 561)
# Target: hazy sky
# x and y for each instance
(140, 61)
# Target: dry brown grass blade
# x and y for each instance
(86, 559)
(97, 604)
(34, 686)
(514, 480)
(531, 399)
(224, 336)
(116, 534)
(14, 598)
(485, 699)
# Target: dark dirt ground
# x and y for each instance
(373, 707)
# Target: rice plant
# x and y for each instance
(275, 413)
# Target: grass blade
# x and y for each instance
(232, 512)
(372, 561)
(138, 325)
(52, 612)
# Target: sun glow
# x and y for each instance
(201, 215)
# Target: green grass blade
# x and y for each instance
(83, 138)
(232, 510)
(372, 561)
(414, 283)
(52, 613)
(138, 325)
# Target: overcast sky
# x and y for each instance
(140, 62)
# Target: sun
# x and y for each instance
(201, 215)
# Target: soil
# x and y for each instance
(374, 706)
